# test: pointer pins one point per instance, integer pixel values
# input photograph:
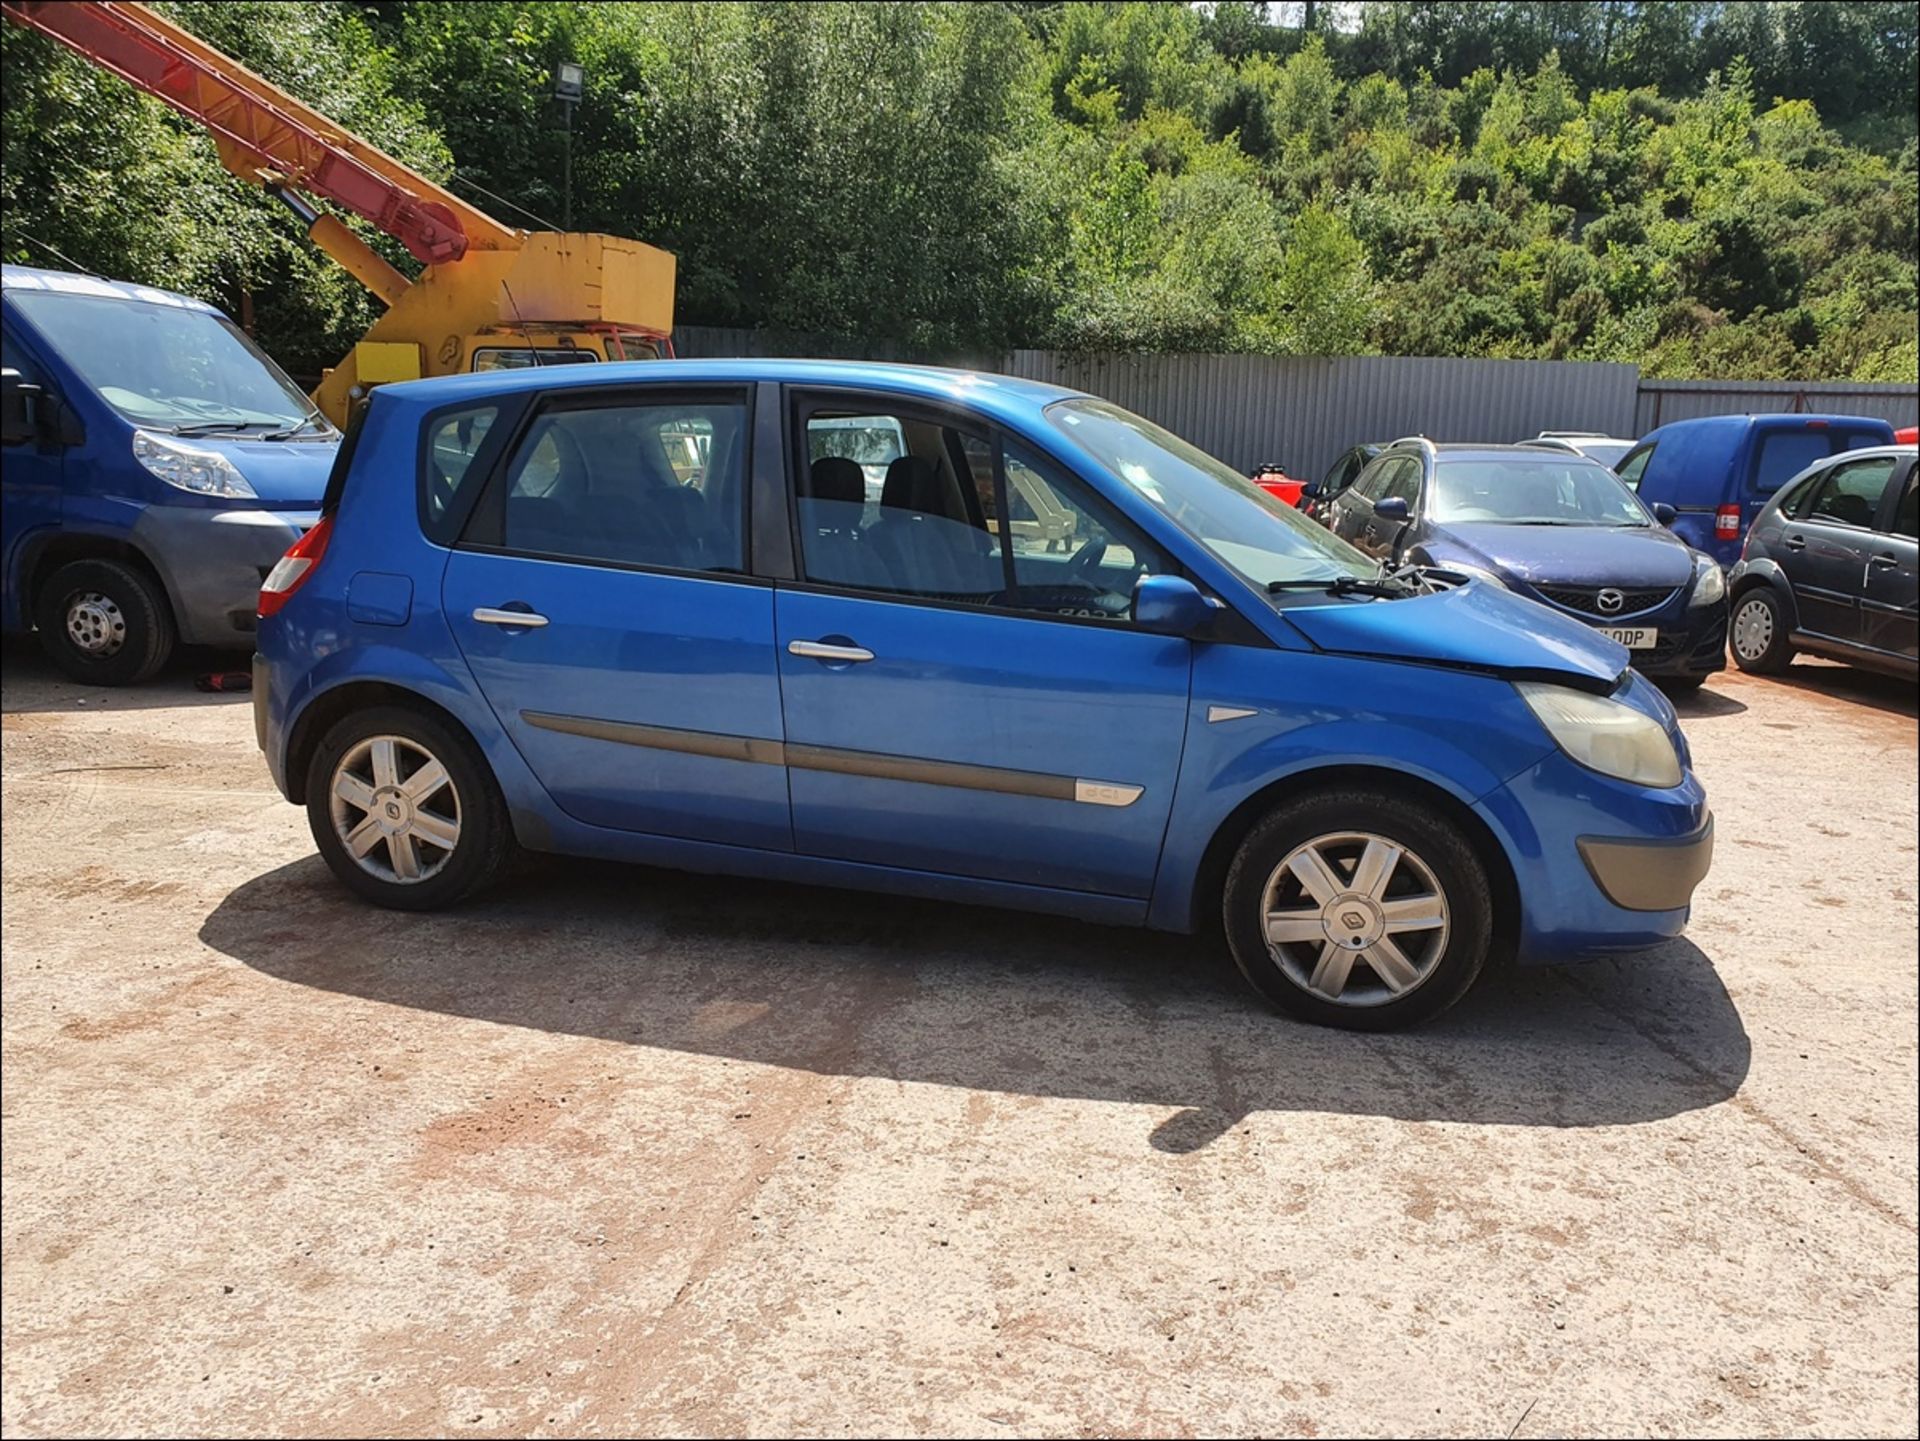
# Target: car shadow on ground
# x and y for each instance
(1893, 694)
(1706, 704)
(839, 983)
(33, 683)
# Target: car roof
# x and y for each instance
(1000, 396)
(68, 282)
(1471, 450)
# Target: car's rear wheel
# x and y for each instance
(104, 622)
(1758, 633)
(405, 811)
(1358, 909)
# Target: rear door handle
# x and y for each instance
(487, 615)
(1796, 542)
(820, 650)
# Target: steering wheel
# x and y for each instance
(1086, 560)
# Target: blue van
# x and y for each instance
(1718, 471)
(156, 465)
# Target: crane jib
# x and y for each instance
(265, 131)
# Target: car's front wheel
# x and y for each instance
(1759, 633)
(1358, 909)
(405, 811)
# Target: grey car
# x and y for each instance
(1832, 567)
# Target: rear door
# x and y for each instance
(601, 599)
(964, 690)
(1890, 609)
(1825, 548)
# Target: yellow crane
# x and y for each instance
(489, 296)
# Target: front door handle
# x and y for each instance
(1796, 542)
(487, 615)
(820, 650)
(1885, 560)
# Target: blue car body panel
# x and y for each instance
(690, 735)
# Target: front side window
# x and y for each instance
(169, 367)
(1565, 490)
(1784, 454)
(640, 483)
(1373, 482)
(1851, 493)
(1403, 483)
(961, 516)
(1634, 466)
(1261, 537)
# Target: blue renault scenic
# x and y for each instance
(1061, 660)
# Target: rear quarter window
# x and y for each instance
(448, 473)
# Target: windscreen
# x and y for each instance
(1525, 490)
(166, 367)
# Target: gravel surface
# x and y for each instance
(628, 1151)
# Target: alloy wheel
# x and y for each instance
(1355, 918)
(395, 809)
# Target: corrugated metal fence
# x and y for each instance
(1302, 412)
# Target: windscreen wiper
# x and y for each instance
(207, 427)
(291, 431)
(1346, 585)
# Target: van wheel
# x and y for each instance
(1358, 909)
(405, 810)
(103, 622)
(1759, 633)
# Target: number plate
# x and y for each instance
(1633, 637)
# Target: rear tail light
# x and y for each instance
(1726, 525)
(294, 567)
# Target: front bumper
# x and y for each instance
(1601, 866)
(212, 560)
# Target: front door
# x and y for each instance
(640, 686)
(1826, 548)
(1890, 609)
(29, 493)
(963, 690)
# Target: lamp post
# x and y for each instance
(569, 84)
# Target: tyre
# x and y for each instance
(1680, 684)
(103, 622)
(1358, 909)
(405, 810)
(1758, 632)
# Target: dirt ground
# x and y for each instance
(628, 1151)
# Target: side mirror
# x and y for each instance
(1393, 507)
(1310, 491)
(1169, 605)
(1664, 513)
(19, 409)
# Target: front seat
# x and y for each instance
(927, 550)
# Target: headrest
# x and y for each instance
(834, 477)
(912, 484)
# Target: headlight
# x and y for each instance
(204, 472)
(1603, 734)
(1471, 570)
(1709, 581)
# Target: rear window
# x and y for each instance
(1785, 453)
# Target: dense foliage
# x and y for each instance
(1710, 189)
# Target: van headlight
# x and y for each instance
(1603, 734)
(185, 467)
(1709, 581)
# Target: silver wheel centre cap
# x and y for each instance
(392, 811)
(1353, 921)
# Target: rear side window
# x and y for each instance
(642, 483)
(1906, 515)
(1634, 466)
(452, 443)
(1851, 493)
(1784, 454)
